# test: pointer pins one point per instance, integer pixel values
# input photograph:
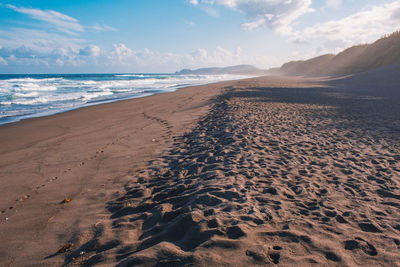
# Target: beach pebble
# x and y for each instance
(66, 200)
(64, 248)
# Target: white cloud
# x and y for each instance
(122, 59)
(102, 28)
(3, 61)
(194, 2)
(189, 23)
(217, 57)
(61, 21)
(38, 40)
(27, 57)
(209, 10)
(121, 54)
(44, 50)
(333, 3)
(278, 15)
(249, 26)
(91, 50)
(363, 26)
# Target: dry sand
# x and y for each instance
(266, 171)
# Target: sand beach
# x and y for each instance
(272, 171)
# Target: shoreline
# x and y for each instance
(77, 154)
(115, 96)
(78, 107)
(259, 171)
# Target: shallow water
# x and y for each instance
(27, 96)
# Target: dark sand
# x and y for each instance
(265, 171)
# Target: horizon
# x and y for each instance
(112, 73)
(99, 37)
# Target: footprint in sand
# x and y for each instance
(360, 244)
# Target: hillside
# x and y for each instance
(382, 81)
(307, 67)
(356, 59)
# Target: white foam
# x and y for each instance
(32, 94)
(34, 87)
(86, 82)
(130, 75)
(93, 95)
(34, 80)
(37, 96)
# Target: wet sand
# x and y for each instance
(264, 171)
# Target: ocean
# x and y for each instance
(28, 96)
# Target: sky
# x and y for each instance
(163, 36)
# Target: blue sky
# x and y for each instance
(166, 35)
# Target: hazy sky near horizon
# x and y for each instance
(88, 36)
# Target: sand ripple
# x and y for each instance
(270, 176)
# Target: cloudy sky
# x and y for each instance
(88, 36)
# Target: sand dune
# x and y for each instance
(278, 172)
(383, 52)
(383, 82)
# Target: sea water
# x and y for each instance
(28, 96)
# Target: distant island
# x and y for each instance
(239, 70)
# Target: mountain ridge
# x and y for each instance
(237, 69)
